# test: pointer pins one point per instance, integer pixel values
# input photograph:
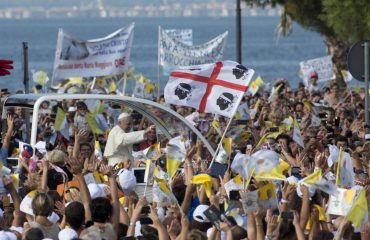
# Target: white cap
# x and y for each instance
(123, 115)
(198, 214)
(41, 147)
(67, 234)
(96, 190)
(127, 180)
(26, 205)
(72, 109)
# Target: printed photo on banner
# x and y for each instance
(91, 58)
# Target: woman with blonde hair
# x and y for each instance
(42, 206)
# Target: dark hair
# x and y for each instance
(81, 105)
(34, 234)
(323, 235)
(148, 230)
(101, 210)
(340, 138)
(122, 230)
(86, 144)
(75, 215)
(179, 192)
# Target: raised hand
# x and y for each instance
(107, 170)
(76, 165)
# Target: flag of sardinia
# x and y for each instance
(213, 88)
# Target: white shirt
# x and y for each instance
(119, 144)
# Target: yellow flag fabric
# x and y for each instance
(91, 121)
(275, 174)
(216, 124)
(238, 179)
(227, 142)
(359, 210)
(338, 166)
(322, 217)
(112, 86)
(75, 81)
(97, 146)
(153, 152)
(172, 166)
(41, 77)
(259, 81)
(308, 105)
(122, 200)
(59, 119)
(357, 88)
(267, 192)
(149, 87)
(313, 178)
(284, 165)
(205, 180)
(163, 185)
(262, 140)
(15, 180)
(175, 155)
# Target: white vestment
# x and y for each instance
(119, 144)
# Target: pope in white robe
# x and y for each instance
(120, 140)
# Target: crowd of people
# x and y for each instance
(80, 183)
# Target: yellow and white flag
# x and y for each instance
(174, 158)
(316, 180)
(153, 152)
(358, 214)
(297, 136)
(255, 85)
(40, 77)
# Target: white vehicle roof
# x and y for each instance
(142, 106)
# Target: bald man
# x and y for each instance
(121, 139)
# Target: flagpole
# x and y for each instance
(222, 138)
(338, 166)
(124, 84)
(159, 80)
(159, 66)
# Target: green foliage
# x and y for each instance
(350, 19)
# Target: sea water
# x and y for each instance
(261, 50)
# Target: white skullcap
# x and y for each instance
(127, 180)
(198, 214)
(96, 190)
(67, 234)
(123, 115)
(5, 235)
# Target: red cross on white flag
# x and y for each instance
(214, 88)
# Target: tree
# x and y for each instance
(341, 23)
